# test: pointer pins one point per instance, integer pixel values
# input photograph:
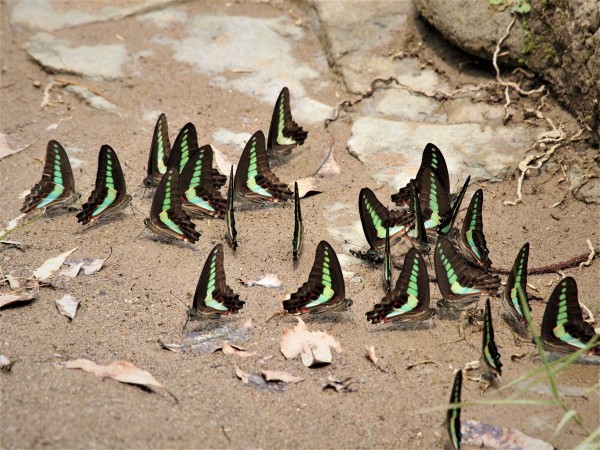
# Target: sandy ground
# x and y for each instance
(145, 288)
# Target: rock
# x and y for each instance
(97, 61)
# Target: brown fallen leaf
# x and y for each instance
(46, 270)
(12, 298)
(229, 349)
(222, 162)
(280, 375)
(88, 266)
(373, 358)
(244, 376)
(6, 149)
(490, 436)
(330, 167)
(313, 346)
(257, 382)
(122, 371)
(308, 186)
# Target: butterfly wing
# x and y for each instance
(160, 149)
(253, 178)
(284, 133)
(231, 235)
(324, 290)
(458, 282)
(517, 278)
(409, 300)
(57, 186)
(298, 227)
(198, 193)
(447, 221)
(167, 217)
(219, 179)
(563, 327)
(417, 232)
(433, 199)
(186, 140)
(110, 192)
(213, 295)
(489, 351)
(453, 414)
(472, 239)
(387, 260)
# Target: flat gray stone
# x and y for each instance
(91, 61)
(393, 149)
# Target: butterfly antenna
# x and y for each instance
(277, 314)
(187, 319)
(137, 237)
(133, 168)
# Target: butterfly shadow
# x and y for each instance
(420, 325)
(118, 216)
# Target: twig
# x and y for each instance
(61, 82)
(552, 268)
(591, 256)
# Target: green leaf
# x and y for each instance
(521, 7)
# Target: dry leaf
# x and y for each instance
(5, 363)
(223, 162)
(67, 306)
(313, 346)
(371, 354)
(46, 270)
(209, 341)
(308, 186)
(11, 225)
(280, 375)
(122, 371)
(88, 266)
(258, 382)
(229, 349)
(72, 271)
(330, 167)
(245, 377)
(340, 385)
(472, 365)
(6, 149)
(12, 298)
(270, 280)
(490, 436)
(13, 283)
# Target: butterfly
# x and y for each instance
(298, 227)
(563, 328)
(472, 240)
(231, 235)
(213, 298)
(253, 178)
(324, 290)
(375, 220)
(434, 159)
(459, 283)
(517, 278)
(57, 186)
(160, 149)
(110, 192)
(185, 142)
(167, 217)
(387, 260)
(198, 192)
(453, 414)
(284, 133)
(417, 233)
(409, 301)
(489, 351)
(447, 220)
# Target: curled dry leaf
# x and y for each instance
(13, 283)
(222, 161)
(46, 270)
(88, 266)
(313, 346)
(330, 167)
(270, 280)
(340, 385)
(122, 371)
(490, 436)
(307, 187)
(72, 271)
(280, 375)
(229, 349)
(5, 363)
(244, 376)
(67, 306)
(257, 382)
(12, 298)
(371, 354)
(472, 365)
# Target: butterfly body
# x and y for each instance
(387, 261)
(213, 297)
(563, 328)
(325, 290)
(167, 217)
(199, 195)
(409, 300)
(459, 283)
(57, 186)
(231, 235)
(284, 133)
(110, 193)
(298, 227)
(253, 178)
(417, 233)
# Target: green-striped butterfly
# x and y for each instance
(563, 327)
(167, 217)
(231, 235)
(375, 220)
(447, 221)
(489, 351)
(472, 240)
(517, 278)
(459, 283)
(325, 289)
(57, 186)
(433, 199)
(298, 227)
(387, 260)
(417, 233)
(432, 158)
(199, 195)
(213, 298)
(110, 193)
(160, 149)
(409, 301)
(253, 178)
(185, 142)
(453, 414)
(284, 133)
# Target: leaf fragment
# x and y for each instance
(46, 270)
(280, 375)
(314, 347)
(269, 280)
(12, 298)
(67, 306)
